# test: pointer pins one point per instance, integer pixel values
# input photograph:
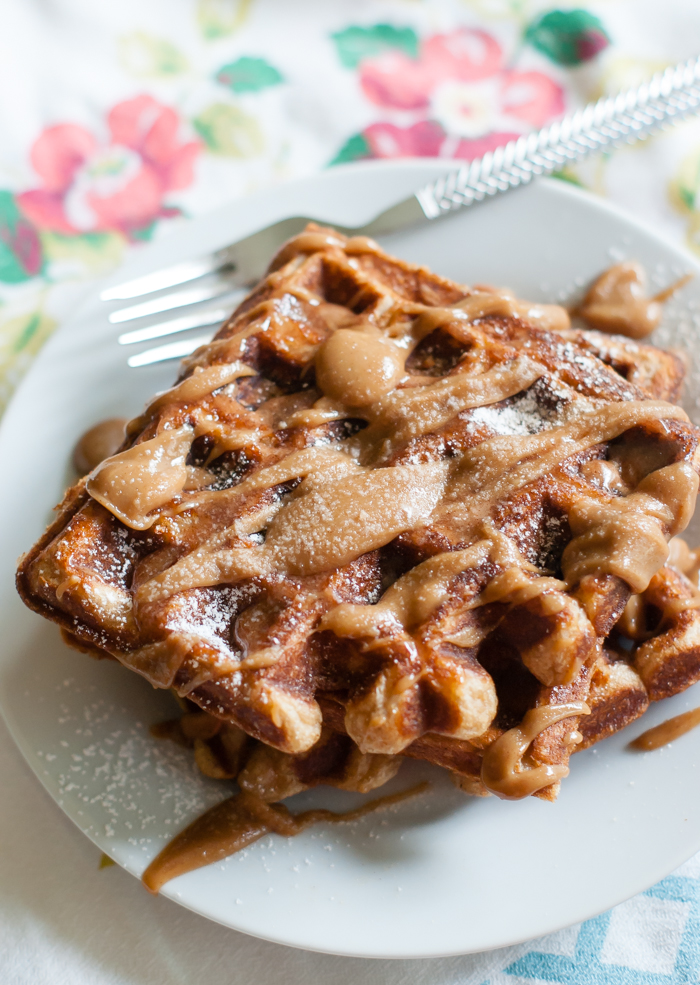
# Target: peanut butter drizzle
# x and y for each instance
(675, 607)
(99, 442)
(357, 368)
(633, 622)
(308, 242)
(502, 770)
(144, 477)
(241, 820)
(402, 414)
(202, 381)
(334, 523)
(673, 288)
(411, 599)
(605, 475)
(499, 466)
(414, 597)
(667, 732)
(406, 414)
(513, 585)
(617, 302)
(627, 536)
(337, 517)
(479, 303)
(482, 304)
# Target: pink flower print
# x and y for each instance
(531, 97)
(470, 109)
(423, 139)
(467, 100)
(506, 105)
(395, 80)
(466, 54)
(469, 150)
(119, 185)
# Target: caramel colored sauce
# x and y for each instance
(139, 480)
(349, 510)
(200, 383)
(627, 536)
(618, 303)
(336, 523)
(414, 597)
(358, 368)
(309, 242)
(239, 821)
(634, 621)
(99, 442)
(667, 732)
(672, 289)
(605, 475)
(482, 303)
(410, 600)
(330, 526)
(348, 505)
(502, 770)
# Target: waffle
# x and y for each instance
(388, 508)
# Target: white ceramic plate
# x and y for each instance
(443, 874)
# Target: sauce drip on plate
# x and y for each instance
(667, 732)
(240, 820)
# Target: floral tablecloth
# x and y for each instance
(119, 121)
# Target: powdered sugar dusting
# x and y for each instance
(521, 417)
(126, 784)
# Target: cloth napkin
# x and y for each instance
(120, 121)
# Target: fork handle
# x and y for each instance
(632, 115)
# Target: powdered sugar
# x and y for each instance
(128, 786)
(523, 416)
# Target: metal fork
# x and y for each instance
(222, 276)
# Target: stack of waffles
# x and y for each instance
(385, 515)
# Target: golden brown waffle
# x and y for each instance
(382, 500)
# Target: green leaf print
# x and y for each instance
(25, 333)
(355, 44)
(150, 58)
(566, 174)
(355, 148)
(21, 338)
(228, 131)
(684, 193)
(28, 331)
(219, 18)
(20, 248)
(568, 37)
(685, 189)
(248, 75)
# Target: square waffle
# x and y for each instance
(385, 514)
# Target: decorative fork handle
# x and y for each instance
(634, 114)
